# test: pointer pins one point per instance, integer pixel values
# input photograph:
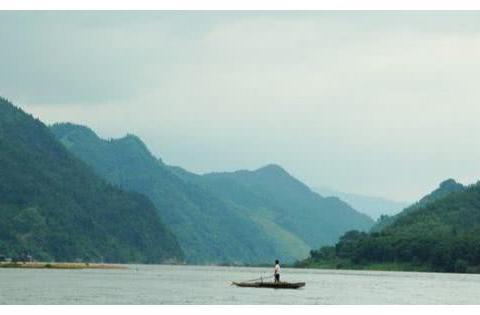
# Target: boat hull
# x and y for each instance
(270, 285)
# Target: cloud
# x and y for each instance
(82, 58)
(379, 103)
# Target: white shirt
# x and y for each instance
(277, 269)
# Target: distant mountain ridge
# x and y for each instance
(54, 207)
(372, 206)
(219, 223)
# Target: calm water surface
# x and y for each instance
(162, 284)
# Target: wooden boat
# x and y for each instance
(272, 285)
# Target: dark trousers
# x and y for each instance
(277, 277)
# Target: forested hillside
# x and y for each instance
(441, 233)
(217, 223)
(445, 188)
(272, 192)
(209, 229)
(54, 207)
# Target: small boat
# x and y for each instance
(272, 285)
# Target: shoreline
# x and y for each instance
(59, 265)
(80, 266)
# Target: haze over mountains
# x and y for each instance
(67, 194)
(314, 218)
(244, 216)
(373, 206)
(89, 199)
(209, 229)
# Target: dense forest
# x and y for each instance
(439, 233)
(242, 217)
(53, 206)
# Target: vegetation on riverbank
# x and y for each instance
(348, 265)
(441, 235)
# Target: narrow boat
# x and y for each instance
(272, 285)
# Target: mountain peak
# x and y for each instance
(450, 184)
(446, 187)
(134, 144)
(69, 133)
(271, 168)
(130, 138)
(66, 128)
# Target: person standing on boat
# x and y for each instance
(276, 271)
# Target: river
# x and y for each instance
(165, 284)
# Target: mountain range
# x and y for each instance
(67, 194)
(237, 217)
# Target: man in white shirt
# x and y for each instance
(276, 271)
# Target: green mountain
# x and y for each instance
(271, 193)
(440, 233)
(213, 224)
(209, 229)
(371, 206)
(54, 207)
(287, 245)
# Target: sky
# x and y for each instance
(375, 103)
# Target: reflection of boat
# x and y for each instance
(272, 285)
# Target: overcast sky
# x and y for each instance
(384, 104)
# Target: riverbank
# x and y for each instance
(346, 264)
(370, 267)
(58, 265)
